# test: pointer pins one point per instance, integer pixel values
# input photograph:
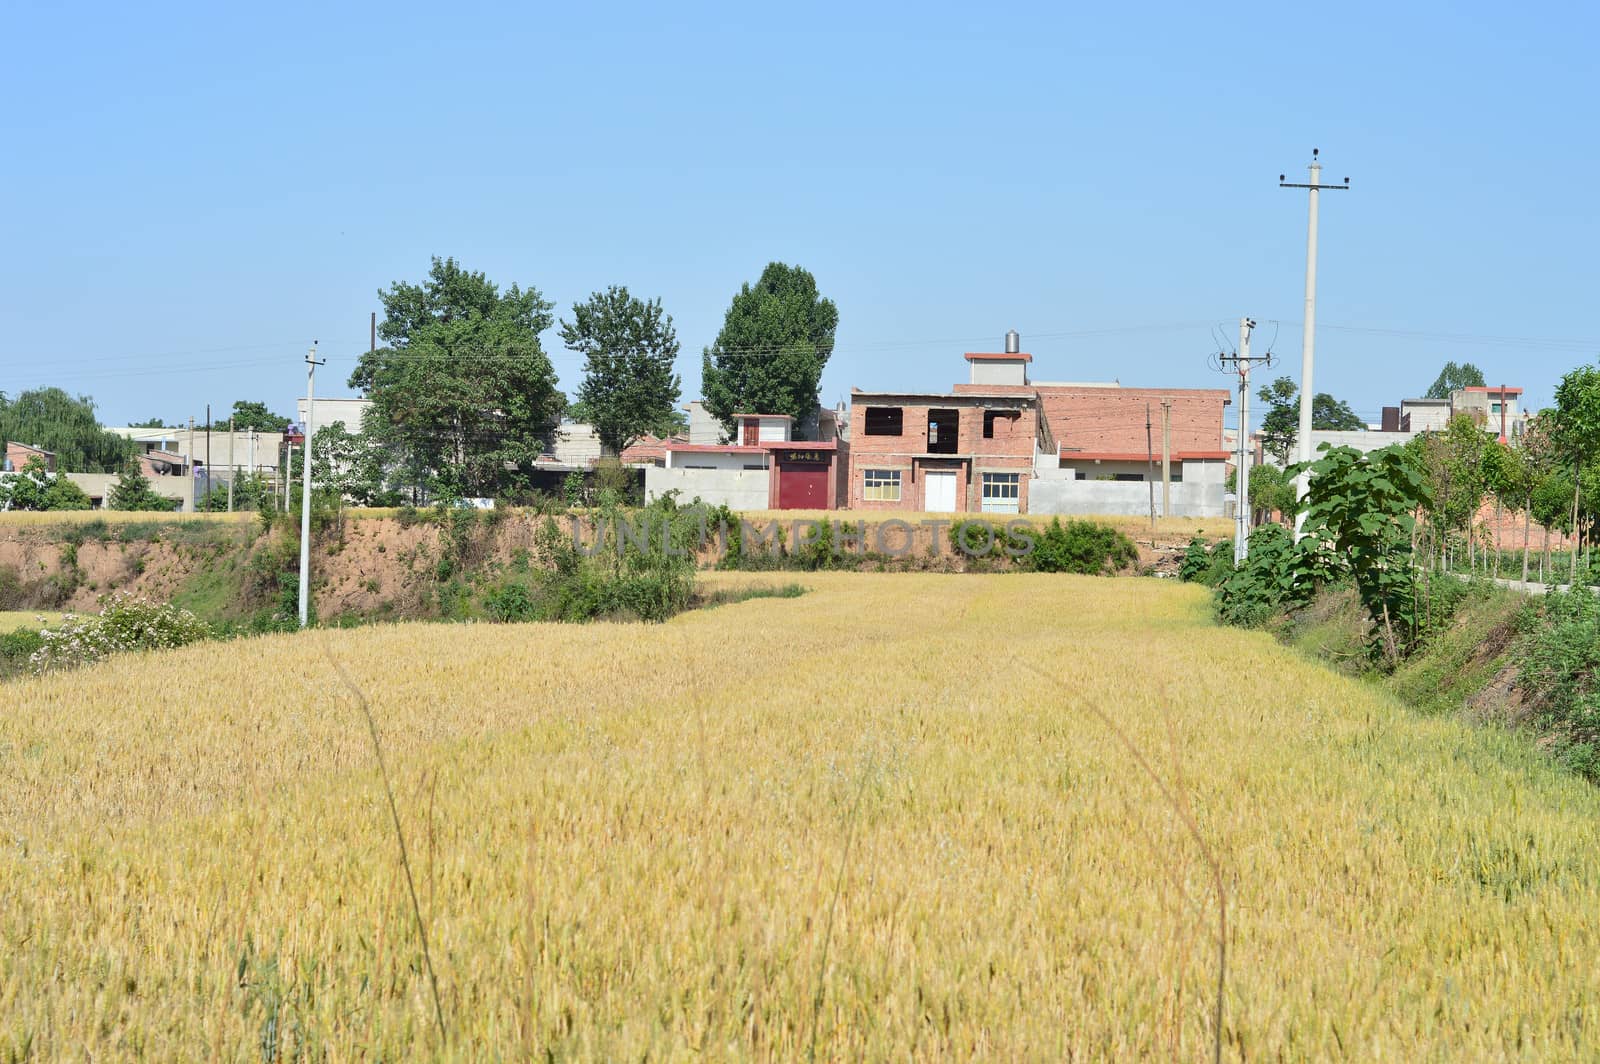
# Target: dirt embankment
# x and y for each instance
(396, 566)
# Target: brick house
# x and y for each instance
(1000, 443)
(17, 455)
(969, 450)
(764, 467)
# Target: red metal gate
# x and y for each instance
(802, 487)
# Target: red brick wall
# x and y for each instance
(1113, 419)
(1011, 447)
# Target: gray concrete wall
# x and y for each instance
(738, 489)
(98, 486)
(1123, 498)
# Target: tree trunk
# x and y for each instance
(1527, 527)
(1497, 516)
(1544, 563)
(1575, 490)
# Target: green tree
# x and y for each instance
(1466, 375)
(629, 346)
(1452, 464)
(1576, 431)
(51, 419)
(1282, 423)
(150, 423)
(775, 340)
(1281, 426)
(252, 415)
(132, 491)
(463, 391)
(1334, 415)
(34, 487)
(1360, 508)
(1271, 489)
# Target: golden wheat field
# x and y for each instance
(894, 818)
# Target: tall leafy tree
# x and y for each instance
(628, 346)
(1466, 375)
(51, 419)
(462, 390)
(1576, 430)
(1280, 428)
(775, 340)
(247, 415)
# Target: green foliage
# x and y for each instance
(628, 344)
(51, 419)
(463, 390)
(1206, 563)
(1466, 375)
(1452, 462)
(1079, 547)
(618, 485)
(1280, 428)
(125, 624)
(1273, 577)
(34, 488)
(1333, 415)
(253, 415)
(1281, 425)
(1360, 514)
(132, 491)
(1271, 490)
(775, 340)
(1558, 655)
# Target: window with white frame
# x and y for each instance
(881, 485)
(1002, 493)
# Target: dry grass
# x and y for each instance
(11, 620)
(628, 841)
(35, 518)
(1133, 527)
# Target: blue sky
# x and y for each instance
(190, 195)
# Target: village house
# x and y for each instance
(763, 467)
(1002, 443)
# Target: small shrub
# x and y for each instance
(1079, 547)
(510, 602)
(124, 624)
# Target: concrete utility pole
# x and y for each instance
(188, 467)
(1309, 335)
(1244, 515)
(1150, 462)
(233, 469)
(252, 431)
(305, 492)
(1166, 457)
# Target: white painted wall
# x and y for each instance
(1122, 498)
(990, 371)
(737, 489)
(772, 430)
(714, 459)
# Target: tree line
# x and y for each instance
(464, 396)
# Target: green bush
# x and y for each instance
(1208, 565)
(1558, 662)
(1079, 547)
(1270, 580)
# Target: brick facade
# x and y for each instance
(1010, 448)
(1112, 420)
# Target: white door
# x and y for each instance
(939, 491)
